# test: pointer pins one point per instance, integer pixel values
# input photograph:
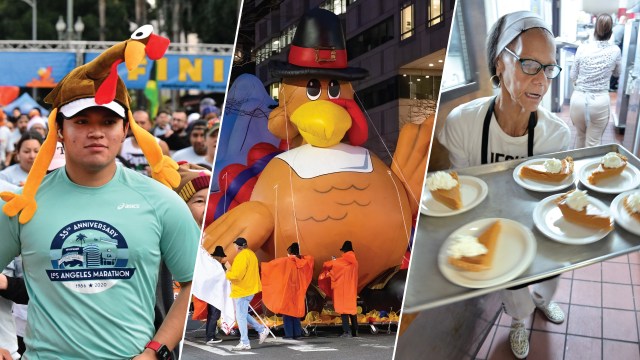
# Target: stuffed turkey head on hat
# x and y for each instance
(97, 84)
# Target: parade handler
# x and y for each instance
(92, 250)
(339, 280)
(284, 286)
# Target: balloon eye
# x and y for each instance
(142, 32)
(334, 89)
(313, 89)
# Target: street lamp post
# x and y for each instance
(60, 27)
(79, 27)
(75, 34)
(34, 18)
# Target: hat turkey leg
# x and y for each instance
(164, 169)
(26, 202)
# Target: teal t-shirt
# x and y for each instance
(91, 259)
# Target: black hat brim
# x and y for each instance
(282, 69)
(219, 253)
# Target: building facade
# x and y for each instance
(402, 44)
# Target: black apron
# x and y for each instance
(533, 120)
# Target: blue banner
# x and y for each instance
(35, 69)
(203, 72)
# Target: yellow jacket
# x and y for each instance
(244, 275)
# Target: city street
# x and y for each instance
(319, 346)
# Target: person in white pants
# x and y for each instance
(594, 64)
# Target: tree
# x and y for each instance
(15, 21)
(213, 20)
(80, 238)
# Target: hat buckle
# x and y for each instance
(332, 54)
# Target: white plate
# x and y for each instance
(629, 179)
(621, 215)
(549, 220)
(472, 192)
(515, 250)
(541, 186)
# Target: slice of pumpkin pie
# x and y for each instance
(475, 253)
(576, 209)
(612, 164)
(445, 188)
(632, 205)
(552, 170)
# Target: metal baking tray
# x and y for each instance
(428, 288)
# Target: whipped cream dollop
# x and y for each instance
(612, 160)
(577, 200)
(465, 245)
(441, 180)
(633, 201)
(553, 166)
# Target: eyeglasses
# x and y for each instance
(532, 67)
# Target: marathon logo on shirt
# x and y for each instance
(498, 157)
(89, 256)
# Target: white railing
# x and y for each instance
(96, 46)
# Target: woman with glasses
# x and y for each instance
(511, 125)
(593, 66)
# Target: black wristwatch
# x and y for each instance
(162, 351)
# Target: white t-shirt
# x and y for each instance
(187, 154)
(15, 137)
(462, 136)
(14, 175)
(5, 140)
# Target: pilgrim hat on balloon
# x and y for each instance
(318, 54)
(318, 48)
(97, 84)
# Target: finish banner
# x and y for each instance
(35, 69)
(203, 72)
(45, 69)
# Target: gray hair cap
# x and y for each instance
(517, 22)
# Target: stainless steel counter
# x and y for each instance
(427, 287)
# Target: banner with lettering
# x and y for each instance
(35, 69)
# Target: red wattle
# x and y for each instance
(359, 131)
(107, 90)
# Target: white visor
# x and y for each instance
(74, 107)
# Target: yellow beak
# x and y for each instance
(133, 54)
(321, 123)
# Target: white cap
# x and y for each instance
(74, 107)
(193, 117)
(36, 120)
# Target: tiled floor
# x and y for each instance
(602, 307)
(601, 303)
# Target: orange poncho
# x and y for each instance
(284, 284)
(343, 274)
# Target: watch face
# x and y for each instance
(164, 353)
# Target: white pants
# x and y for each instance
(590, 115)
(519, 304)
